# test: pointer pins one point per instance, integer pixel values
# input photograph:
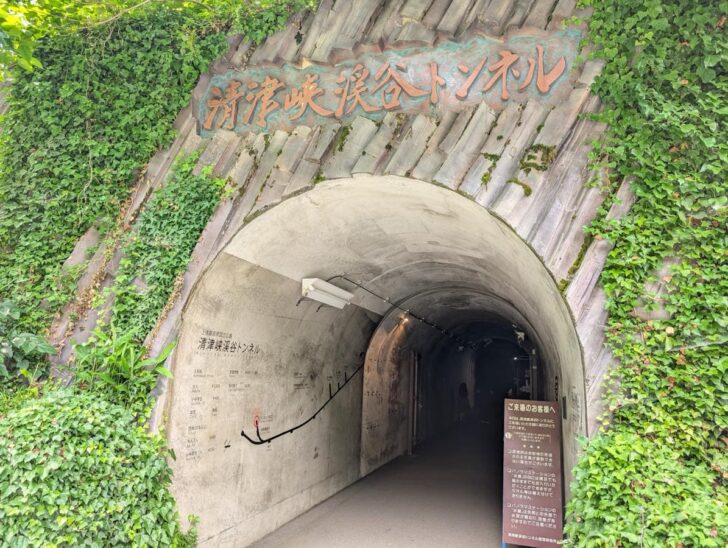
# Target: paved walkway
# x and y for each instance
(446, 495)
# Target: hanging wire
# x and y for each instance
(332, 395)
(421, 319)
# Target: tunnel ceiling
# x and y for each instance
(467, 314)
(424, 247)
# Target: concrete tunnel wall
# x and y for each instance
(249, 351)
(389, 368)
(442, 366)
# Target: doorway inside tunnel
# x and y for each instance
(447, 311)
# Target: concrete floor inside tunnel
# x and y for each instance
(448, 493)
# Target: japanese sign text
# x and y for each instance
(450, 76)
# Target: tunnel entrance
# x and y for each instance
(437, 372)
(443, 295)
(439, 359)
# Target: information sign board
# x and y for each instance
(532, 501)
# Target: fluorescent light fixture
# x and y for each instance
(325, 293)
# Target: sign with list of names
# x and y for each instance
(532, 500)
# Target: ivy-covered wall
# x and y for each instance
(79, 131)
(79, 466)
(77, 134)
(656, 474)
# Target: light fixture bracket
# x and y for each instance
(322, 291)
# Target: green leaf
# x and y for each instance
(164, 371)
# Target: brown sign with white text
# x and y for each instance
(532, 501)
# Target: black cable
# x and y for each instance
(261, 441)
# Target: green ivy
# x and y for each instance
(671, 505)
(114, 367)
(15, 394)
(19, 352)
(656, 474)
(260, 18)
(77, 133)
(77, 471)
(158, 250)
(113, 363)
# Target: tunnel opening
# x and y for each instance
(460, 375)
(439, 367)
(450, 312)
(446, 356)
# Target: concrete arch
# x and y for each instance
(251, 352)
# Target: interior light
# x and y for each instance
(325, 293)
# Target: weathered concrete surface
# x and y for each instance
(426, 76)
(278, 375)
(413, 243)
(386, 397)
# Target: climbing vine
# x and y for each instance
(113, 363)
(77, 471)
(257, 20)
(157, 251)
(656, 474)
(77, 133)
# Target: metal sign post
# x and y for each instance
(532, 501)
